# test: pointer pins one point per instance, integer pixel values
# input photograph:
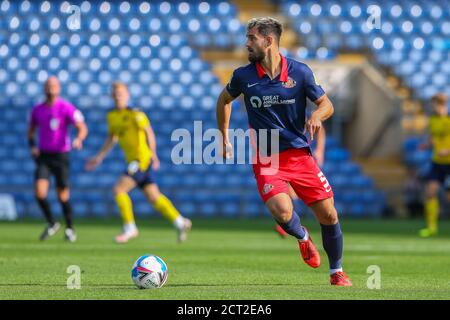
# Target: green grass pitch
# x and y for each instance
(223, 259)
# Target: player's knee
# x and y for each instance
(63, 195)
(152, 193)
(284, 217)
(432, 190)
(152, 197)
(430, 194)
(329, 217)
(118, 190)
(281, 212)
(40, 194)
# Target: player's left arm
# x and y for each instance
(76, 118)
(319, 152)
(31, 142)
(223, 115)
(32, 125)
(81, 136)
(143, 123)
(151, 140)
(323, 111)
(316, 94)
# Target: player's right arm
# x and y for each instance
(106, 148)
(223, 114)
(319, 152)
(31, 142)
(223, 111)
(32, 125)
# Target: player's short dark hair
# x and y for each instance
(439, 98)
(267, 26)
(117, 84)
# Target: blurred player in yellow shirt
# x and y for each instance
(132, 129)
(439, 127)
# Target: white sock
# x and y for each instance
(333, 271)
(179, 222)
(306, 235)
(129, 227)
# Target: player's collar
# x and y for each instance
(54, 102)
(284, 69)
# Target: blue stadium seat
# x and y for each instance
(187, 209)
(361, 182)
(154, 46)
(349, 169)
(230, 209)
(337, 155)
(357, 209)
(208, 209)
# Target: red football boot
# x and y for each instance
(309, 252)
(280, 231)
(340, 279)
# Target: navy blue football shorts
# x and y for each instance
(142, 178)
(441, 173)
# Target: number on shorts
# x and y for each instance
(323, 179)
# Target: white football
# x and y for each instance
(149, 272)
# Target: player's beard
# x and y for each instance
(256, 55)
(50, 97)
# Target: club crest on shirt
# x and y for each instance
(290, 83)
(267, 188)
(54, 124)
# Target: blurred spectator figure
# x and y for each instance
(439, 140)
(413, 193)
